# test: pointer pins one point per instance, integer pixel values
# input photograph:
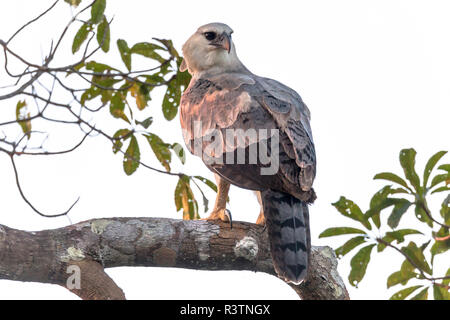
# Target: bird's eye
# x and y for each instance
(210, 35)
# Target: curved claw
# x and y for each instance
(228, 214)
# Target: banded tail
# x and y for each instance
(287, 220)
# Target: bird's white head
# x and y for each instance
(210, 49)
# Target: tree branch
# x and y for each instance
(92, 245)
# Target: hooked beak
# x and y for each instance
(223, 41)
(226, 42)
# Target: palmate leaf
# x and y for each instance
(340, 231)
(430, 166)
(404, 293)
(349, 246)
(408, 162)
(359, 264)
(351, 210)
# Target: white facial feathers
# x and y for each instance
(210, 49)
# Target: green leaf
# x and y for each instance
(80, 37)
(351, 210)
(132, 157)
(184, 199)
(179, 152)
(401, 206)
(440, 245)
(440, 178)
(408, 162)
(119, 136)
(379, 202)
(160, 149)
(335, 231)
(146, 123)
(171, 99)
(399, 277)
(445, 210)
(400, 234)
(402, 294)
(90, 94)
(147, 49)
(21, 115)
(417, 256)
(117, 107)
(445, 167)
(97, 10)
(208, 182)
(141, 94)
(430, 165)
(73, 3)
(440, 293)
(441, 189)
(391, 177)
(447, 281)
(125, 53)
(103, 35)
(422, 295)
(359, 265)
(405, 274)
(98, 67)
(349, 245)
(169, 45)
(421, 213)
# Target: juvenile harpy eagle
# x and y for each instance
(223, 95)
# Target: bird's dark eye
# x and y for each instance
(210, 35)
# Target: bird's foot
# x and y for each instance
(261, 219)
(221, 214)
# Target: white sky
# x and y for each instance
(375, 75)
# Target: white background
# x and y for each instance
(375, 75)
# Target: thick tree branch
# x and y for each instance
(45, 256)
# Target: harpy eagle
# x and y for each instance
(231, 118)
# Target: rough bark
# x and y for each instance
(93, 245)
